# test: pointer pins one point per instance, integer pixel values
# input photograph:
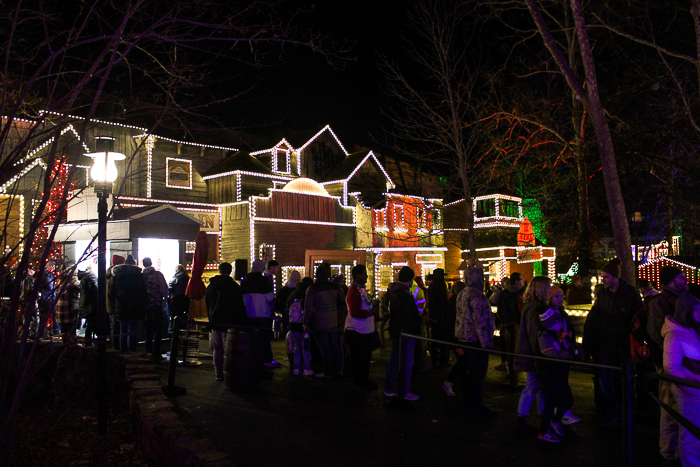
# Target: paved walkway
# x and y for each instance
(296, 420)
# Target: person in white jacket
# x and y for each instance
(682, 360)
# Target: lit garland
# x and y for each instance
(167, 172)
(49, 112)
(327, 127)
(251, 174)
(188, 203)
(26, 170)
(150, 144)
(286, 270)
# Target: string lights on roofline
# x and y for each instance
(251, 174)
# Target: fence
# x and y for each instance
(628, 384)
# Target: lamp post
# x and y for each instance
(637, 219)
(103, 173)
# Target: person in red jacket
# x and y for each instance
(359, 326)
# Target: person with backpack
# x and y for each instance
(674, 284)
(300, 339)
(157, 295)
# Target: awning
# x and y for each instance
(130, 223)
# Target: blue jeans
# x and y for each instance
(393, 366)
(531, 390)
(129, 335)
(300, 354)
(331, 346)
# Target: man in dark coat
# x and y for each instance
(224, 306)
(510, 307)
(606, 332)
(179, 302)
(88, 303)
(404, 317)
(439, 329)
(127, 296)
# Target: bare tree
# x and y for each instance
(159, 62)
(437, 114)
(589, 96)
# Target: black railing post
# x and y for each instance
(402, 366)
(628, 412)
(170, 389)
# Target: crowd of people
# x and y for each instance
(332, 329)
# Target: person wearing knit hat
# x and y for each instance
(606, 333)
(117, 260)
(404, 318)
(555, 340)
(613, 267)
(674, 285)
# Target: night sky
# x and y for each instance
(306, 93)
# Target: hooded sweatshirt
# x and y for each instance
(682, 352)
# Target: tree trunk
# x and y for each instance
(613, 191)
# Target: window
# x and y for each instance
(280, 160)
(399, 219)
(508, 208)
(178, 173)
(486, 208)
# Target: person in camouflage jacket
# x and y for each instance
(474, 327)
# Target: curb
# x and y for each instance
(164, 439)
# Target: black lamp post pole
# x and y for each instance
(102, 193)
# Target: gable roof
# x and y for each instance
(351, 164)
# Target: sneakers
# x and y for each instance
(272, 364)
(503, 366)
(296, 371)
(558, 429)
(549, 436)
(320, 375)
(389, 394)
(409, 396)
(447, 386)
(308, 373)
(219, 376)
(569, 419)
